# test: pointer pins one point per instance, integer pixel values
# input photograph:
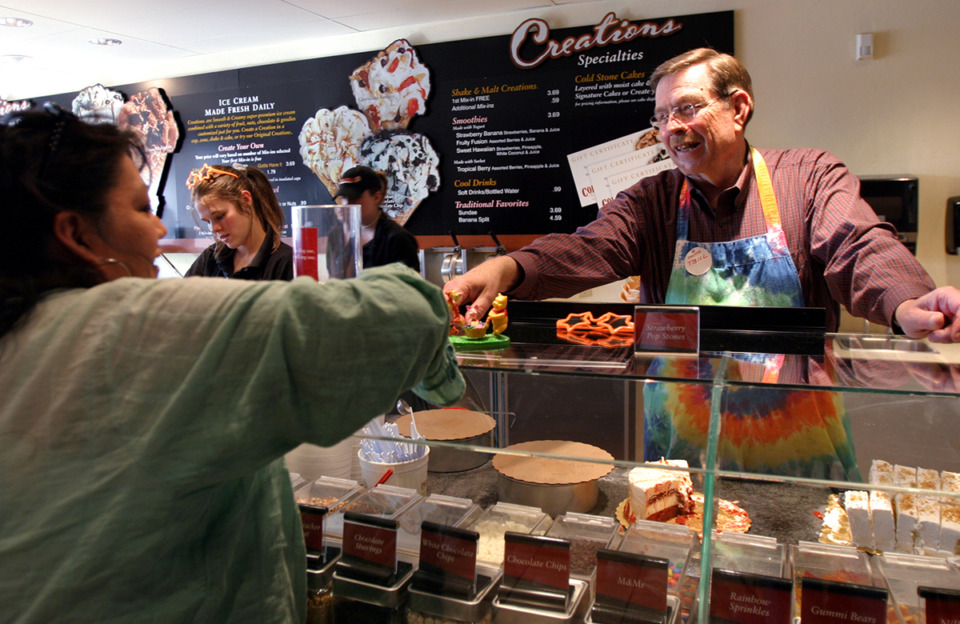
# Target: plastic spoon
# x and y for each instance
(404, 408)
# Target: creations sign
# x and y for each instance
(530, 138)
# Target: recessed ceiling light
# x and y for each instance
(15, 22)
(14, 59)
(103, 41)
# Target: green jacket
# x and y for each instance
(143, 425)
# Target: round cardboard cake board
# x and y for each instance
(547, 471)
(447, 424)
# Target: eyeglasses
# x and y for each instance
(205, 173)
(685, 113)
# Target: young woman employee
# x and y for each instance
(242, 212)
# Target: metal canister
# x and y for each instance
(576, 610)
(320, 589)
(371, 603)
(427, 607)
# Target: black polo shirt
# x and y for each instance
(266, 265)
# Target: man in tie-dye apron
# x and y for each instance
(734, 225)
(795, 432)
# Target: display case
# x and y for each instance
(911, 579)
(445, 510)
(752, 405)
(493, 523)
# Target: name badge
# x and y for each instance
(697, 261)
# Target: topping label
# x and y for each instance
(942, 605)
(750, 598)
(371, 543)
(632, 580)
(830, 602)
(311, 519)
(445, 552)
(540, 560)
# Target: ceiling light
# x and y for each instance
(104, 41)
(15, 22)
(14, 59)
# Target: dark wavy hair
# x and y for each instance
(51, 161)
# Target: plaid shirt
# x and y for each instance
(843, 253)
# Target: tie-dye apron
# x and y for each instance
(763, 429)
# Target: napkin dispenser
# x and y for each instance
(895, 199)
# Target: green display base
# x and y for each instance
(487, 343)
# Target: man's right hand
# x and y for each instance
(480, 285)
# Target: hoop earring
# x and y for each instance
(126, 267)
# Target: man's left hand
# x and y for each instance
(933, 316)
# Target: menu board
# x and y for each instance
(525, 133)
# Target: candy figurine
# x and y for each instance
(457, 322)
(497, 318)
(468, 332)
(474, 328)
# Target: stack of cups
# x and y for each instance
(355, 473)
(312, 461)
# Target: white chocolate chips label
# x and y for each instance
(697, 261)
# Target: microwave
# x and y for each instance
(895, 199)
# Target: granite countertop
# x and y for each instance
(786, 511)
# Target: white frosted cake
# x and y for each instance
(857, 504)
(904, 476)
(950, 514)
(881, 507)
(950, 482)
(881, 472)
(922, 523)
(660, 494)
(928, 479)
(927, 536)
(905, 507)
(881, 515)
(950, 529)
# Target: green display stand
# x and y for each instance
(487, 343)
